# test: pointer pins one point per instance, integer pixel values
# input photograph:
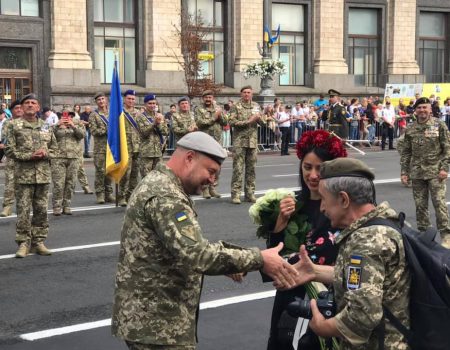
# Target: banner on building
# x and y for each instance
(407, 92)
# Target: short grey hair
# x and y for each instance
(360, 189)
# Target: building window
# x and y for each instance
(291, 46)
(19, 7)
(363, 47)
(115, 36)
(210, 13)
(432, 45)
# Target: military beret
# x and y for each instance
(333, 92)
(149, 97)
(201, 142)
(129, 92)
(184, 98)
(246, 87)
(343, 167)
(421, 101)
(207, 92)
(14, 104)
(28, 97)
(99, 94)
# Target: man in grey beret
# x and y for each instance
(163, 254)
(371, 270)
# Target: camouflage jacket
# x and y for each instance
(68, 140)
(99, 130)
(162, 259)
(133, 137)
(371, 271)
(205, 118)
(24, 139)
(244, 133)
(426, 150)
(150, 135)
(7, 124)
(181, 122)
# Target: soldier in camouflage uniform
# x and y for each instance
(336, 116)
(31, 144)
(183, 121)
(163, 255)
(245, 116)
(8, 194)
(210, 119)
(65, 162)
(153, 129)
(98, 124)
(425, 160)
(81, 173)
(131, 178)
(371, 269)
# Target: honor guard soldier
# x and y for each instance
(210, 119)
(131, 178)
(153, 129)
(183, 121)
(336, 116)
(425, 161)
(98, 124)
(9, 192)
(245, 116)
(31, 144)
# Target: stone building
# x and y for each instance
(64, 50)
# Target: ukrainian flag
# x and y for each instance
(116, 149)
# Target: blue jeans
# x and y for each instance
(301, 127)
(371, 129)
(354, 133)
(87, 141)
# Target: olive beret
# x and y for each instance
(201, 142)
(246, 87)
(29, 97)
(333, 92)
(345, 167)
(207, 93)
(421, 101)
(99, 94)
(184, 98)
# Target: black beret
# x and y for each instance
(421, 101)
(28, 97)
(184, 98)
(333, 92)
(345, 167)
(14, 104)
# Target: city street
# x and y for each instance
(40, 297)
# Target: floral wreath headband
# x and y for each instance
(320, 139)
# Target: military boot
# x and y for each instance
(24, 249)
(205, 193)
(235, 199)
(87, 190)
(110, 198)
(122, 202)
(250, 198)
(67, 211)
(100, 198)
(7, 211)
(56, 211)
(40, 249)
(212, 192)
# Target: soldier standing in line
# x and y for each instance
(98, 124)
(245, 116)
(183, 121)
(210, 119)
(425, 160)
(31, 144)
(8, 194)
(131, 178)
(336, 115)
(153, 129)
(65, 163)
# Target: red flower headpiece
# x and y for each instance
(323, 139)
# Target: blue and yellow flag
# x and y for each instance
(116, 149)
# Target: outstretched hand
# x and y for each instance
(305, 270)
(283, 273)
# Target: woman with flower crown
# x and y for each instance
(313, 148)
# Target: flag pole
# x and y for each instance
(117, 185)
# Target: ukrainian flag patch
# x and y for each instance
(355, 259)
(181, 216)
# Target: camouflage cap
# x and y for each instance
(343, 167)
(201, 142)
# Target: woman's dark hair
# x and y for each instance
(226, 107)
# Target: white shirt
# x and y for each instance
(388, 114)
(52, 119)
(298, 114)
(1, 127)
(284, 120)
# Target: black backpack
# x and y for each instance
(429, 265)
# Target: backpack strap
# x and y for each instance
(397, 324)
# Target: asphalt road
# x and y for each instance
(74, 286)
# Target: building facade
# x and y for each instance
(64, 50)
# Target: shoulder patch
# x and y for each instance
(354, 277)
(180, 216)
(355, 259)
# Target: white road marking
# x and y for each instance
(105, 323)
(264, 166)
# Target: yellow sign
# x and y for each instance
(7, 97)
(205, 56)
(407, 92)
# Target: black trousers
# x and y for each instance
(387, 132)
(285, 136)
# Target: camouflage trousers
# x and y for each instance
(243, 156)
(139, 346)
(147, 164)
(81, 174)
(102, 183)
(131, 178)
(33, 228)
(8, 194)
(64, 172)
(437, 190)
